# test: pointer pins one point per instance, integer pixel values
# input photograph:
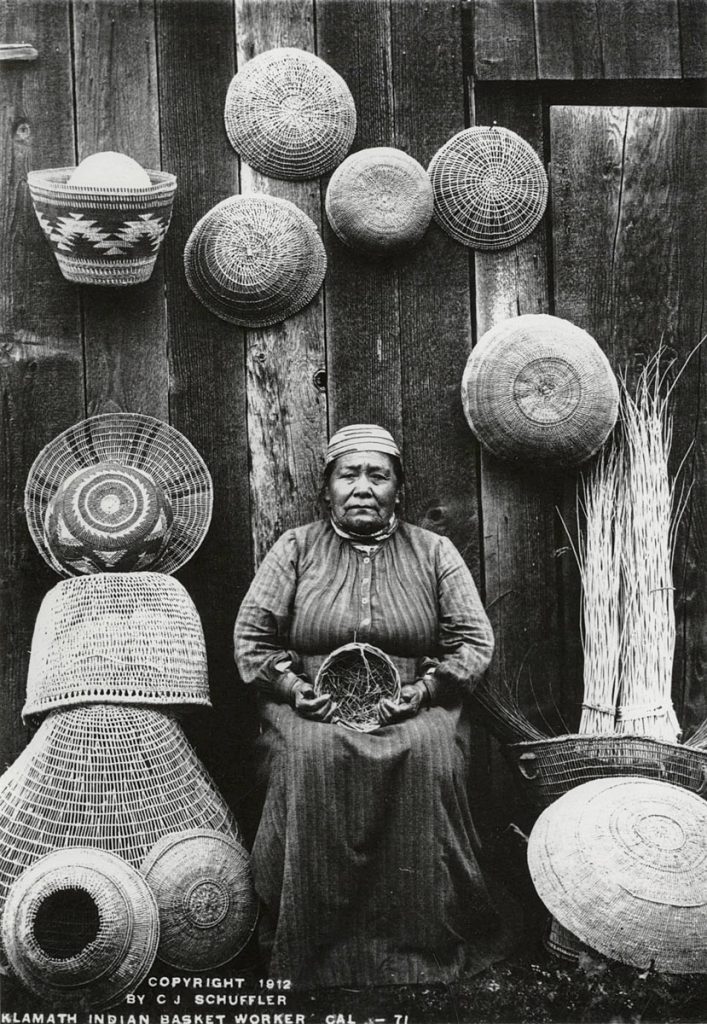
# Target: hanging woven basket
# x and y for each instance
(357, 676)
(490, 187)
(107, 777)
(536, 388)
(622, 864)
(125, 638)
(255, 260)
(379, 200)
(118, 492)
(289, 115)
(100, 234)
(204, 889)
(80, 928)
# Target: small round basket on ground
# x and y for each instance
(204, 889)
(255, 260)
(490, 187)
(80, 928)
(289, 115)
(101, 234)
(379, 200)
(357, 676)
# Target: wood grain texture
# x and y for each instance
(504, 40)
(640, 39)
(693, 38)
(569, 39)
(629, 268)
(41, 373)
(287, 419)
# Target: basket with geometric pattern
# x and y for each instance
(101, 234)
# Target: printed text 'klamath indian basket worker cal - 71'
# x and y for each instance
(537, 388)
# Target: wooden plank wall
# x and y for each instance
(384, 341)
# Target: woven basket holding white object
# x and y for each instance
(357, 676)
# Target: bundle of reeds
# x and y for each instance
(503, 713)
(698, 738)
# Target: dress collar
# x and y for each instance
(368, 540)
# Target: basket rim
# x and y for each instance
(56, 178)
(603, 738)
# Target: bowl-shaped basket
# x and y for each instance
(204, 889)
(357, 676)
(289, 115)
(80, 928)
(102, 235)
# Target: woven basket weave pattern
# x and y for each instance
(105, 236)
(289, 115)
(357, 676)
(490, 187)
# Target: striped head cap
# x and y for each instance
(361, 437)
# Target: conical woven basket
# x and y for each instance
(113, 778)
(490, 187)
(379, 200)
(80, 928)
(141, 443)
(102, 235)
(204, 889)
(622, 864)
(125, 638)
(537, 388)
(255, 260)
(290, 115)
(357, 676)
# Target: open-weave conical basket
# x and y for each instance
(204, 889)
(379, 200)
(490, 187)
(149, 446)
(255, 260)
(114, 778)
(80, 928)
(290, 115)
(357, 676)
(537, 388)
(622, 864)
(120, 638)
(101, 234)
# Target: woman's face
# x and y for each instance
(362, 490)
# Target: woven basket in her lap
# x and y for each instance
(622, 864)
(357, 676)
(490, 187)
(80, 928)
(100, 234)
(126, 638)
(289, 115)
(379, 200)
(113, 778)
(255, 260)
(537, 388)
(204, 889)
(144, 499)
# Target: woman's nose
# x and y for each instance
(362, 485)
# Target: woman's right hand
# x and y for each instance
(318, 708)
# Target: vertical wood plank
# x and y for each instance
(41, 372)
(693, 38)
(504, 40)
(117, 110)
(286, 410)
(569, 39)
(640, 39)
(362, 296)
(629, 268)
(207, 362)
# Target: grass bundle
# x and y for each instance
(698, 738)
(503, 713)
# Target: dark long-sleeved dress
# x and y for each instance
(365, 857)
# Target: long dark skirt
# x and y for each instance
(365, 859)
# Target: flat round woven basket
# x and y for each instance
(490, 187)
(166, 483)
(100, 234)
(255, 260)
(126, 638)
(537, 388)
(204, 889)
(107, 777)
(379, 200)
(80, 928)
(357, 676)
(622, 864)
(289, 115)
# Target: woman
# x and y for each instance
(365, 857)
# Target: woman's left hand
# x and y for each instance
(412, 697)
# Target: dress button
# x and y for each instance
(364, 599)
(366, 560)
